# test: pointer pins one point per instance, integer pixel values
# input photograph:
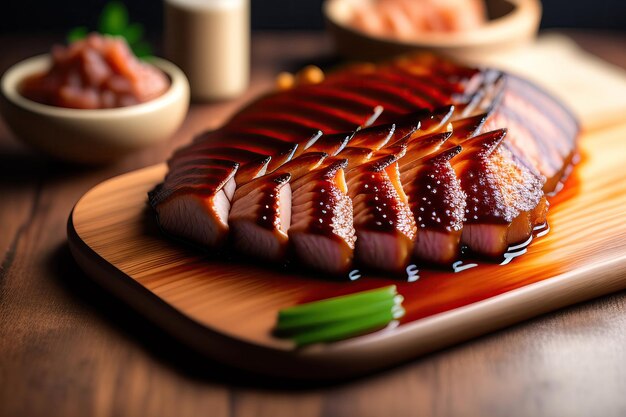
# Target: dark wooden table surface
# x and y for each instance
(69, 349)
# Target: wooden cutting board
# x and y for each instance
(227, 309)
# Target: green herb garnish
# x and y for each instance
(114, 21)
(77, 33)
(340, 317)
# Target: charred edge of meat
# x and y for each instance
(357, 156)
(378, 110)
(418, 123)
(281, 158)
(488, 96)
(331, 144)
(468, 127)
(429, 121)
(385, 158)
(374, 137)
(311, 141)
(179, 180)
(420, 147)
(253, 170)
(303, 164)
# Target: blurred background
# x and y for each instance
(58, 16)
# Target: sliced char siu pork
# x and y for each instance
(435, 195)
(261, 210)
(203, 176)
(374, 185)
(542, 133)
(257, 140)
(540, 129)
(438, 207)
(322, 233)
(436, 199)
(445, 194)
(201, 182)
(502, 174)
(193, 201)
(504, 198)
(384, 224)
(260, 217)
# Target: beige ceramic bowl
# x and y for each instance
(92, 136)
(511, 23)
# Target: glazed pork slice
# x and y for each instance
(372, 138)
(504, 199)
(193, 202)
(365, 143)
(384, 224)
(540, 129)
(436, 199)
(542, 133)
(322, 233)
(435, 195)
(260, 217)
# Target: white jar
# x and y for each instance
(210, 41)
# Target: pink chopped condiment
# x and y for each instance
(97, 72)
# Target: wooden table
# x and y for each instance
(69, 349)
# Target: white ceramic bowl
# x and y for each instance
(92, 136)
(511, 23)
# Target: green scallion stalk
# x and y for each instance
(341, 317)
(337, 304)
(348, 328)
(298, 322)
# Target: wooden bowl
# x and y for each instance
(511, 23)
(92, 136)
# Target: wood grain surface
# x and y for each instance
(68, 349)
(114, 238)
